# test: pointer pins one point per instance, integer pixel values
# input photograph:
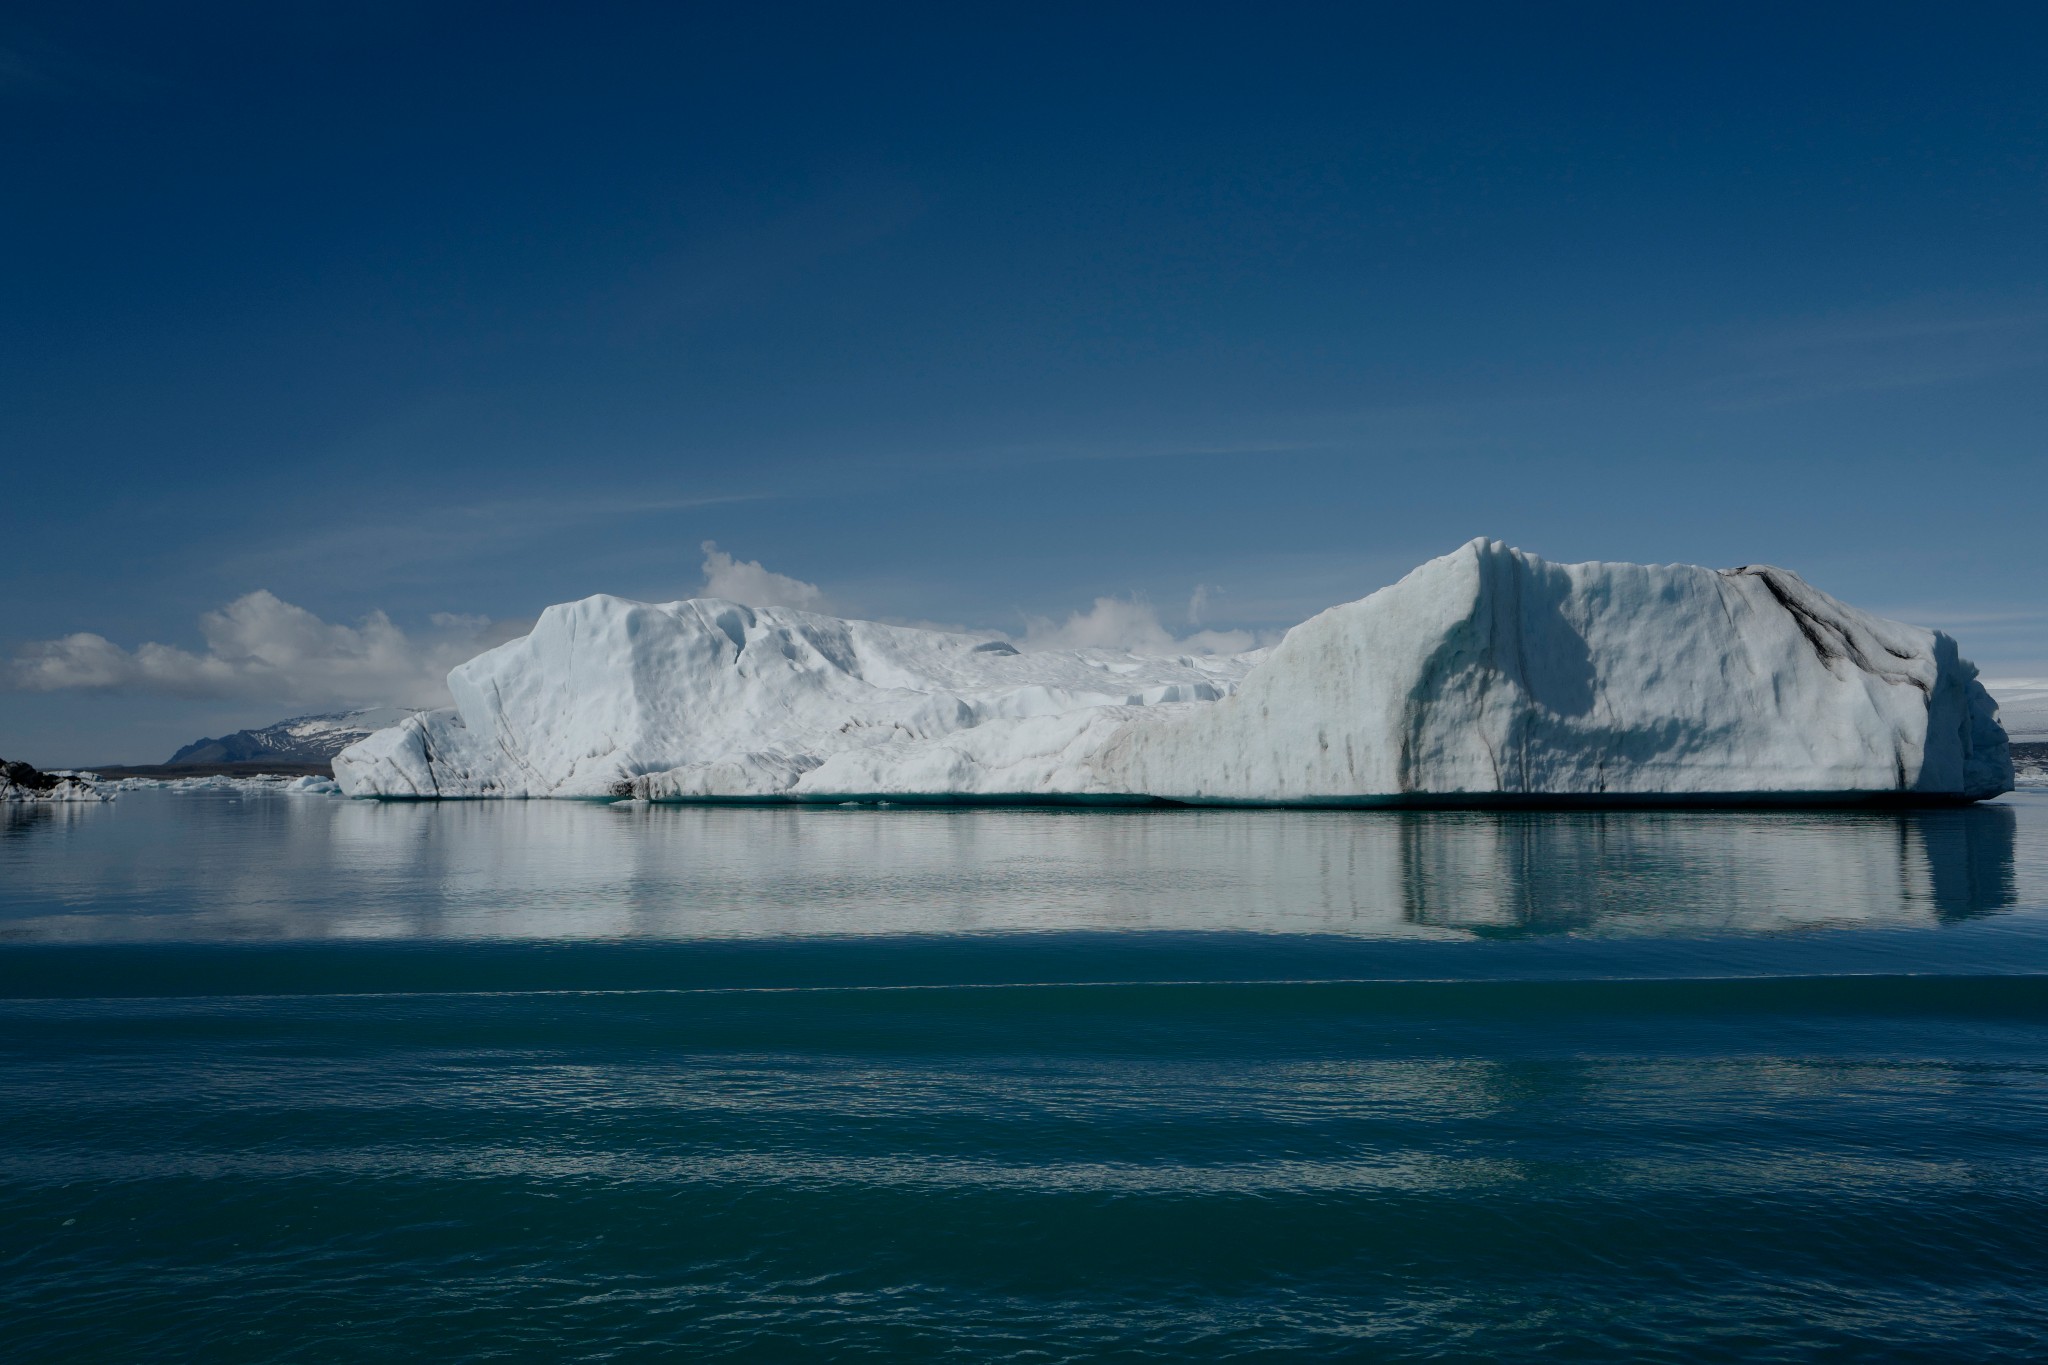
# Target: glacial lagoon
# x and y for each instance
(293, 1077)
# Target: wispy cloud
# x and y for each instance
(2003, 639)
(438, 535)
(42, 72)
(1968, 622)
(21, 77)
(1945, 617)
(1391, 429)
(1904, 346)
(751, 253)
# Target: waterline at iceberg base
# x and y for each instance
(1485, 677)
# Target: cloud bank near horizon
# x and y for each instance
(260, 647)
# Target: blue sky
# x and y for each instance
(975, 316)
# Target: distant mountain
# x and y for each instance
(302, 739)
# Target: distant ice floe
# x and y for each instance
(1487, 674)
(258, 785)
(21, 783)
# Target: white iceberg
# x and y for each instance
(20, 782)
(1485, 676)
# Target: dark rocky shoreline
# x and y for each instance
(251, 768)
(27, 777)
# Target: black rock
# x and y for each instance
(22, 775)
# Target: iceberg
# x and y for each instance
(1488, 676)
(21, 782)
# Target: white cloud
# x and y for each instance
(1907, 345)
(1131, 623)
(746, 582)
(260, 647)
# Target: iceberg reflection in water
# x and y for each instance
(167, 866)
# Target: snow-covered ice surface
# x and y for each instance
(2022, 707)
(708, 699)
(1485, 675)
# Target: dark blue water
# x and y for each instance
(303, 1079)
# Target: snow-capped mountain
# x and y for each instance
(302, 739)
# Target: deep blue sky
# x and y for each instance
(974, 314)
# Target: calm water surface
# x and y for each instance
(295, 1078)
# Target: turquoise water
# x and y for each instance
(292, 1078)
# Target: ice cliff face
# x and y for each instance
(1491, 672)
(1487, 674)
